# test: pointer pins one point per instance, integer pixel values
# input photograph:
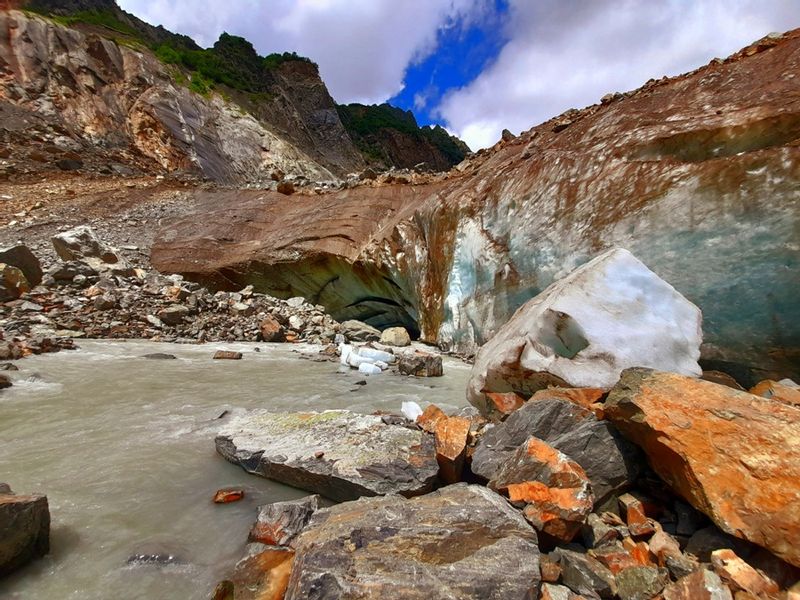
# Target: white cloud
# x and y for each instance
(567, 53)
(363, 47)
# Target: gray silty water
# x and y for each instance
(124, 448)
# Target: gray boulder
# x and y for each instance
(20, 256)
(12, 283)
(610, 461)
(339, 454)
(173, 315)
(279, 523)
(420, 364)
(360, 332)
(459, 542)
(82, 244)
(24, 529)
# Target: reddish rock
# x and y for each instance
(12, 283)
(776, 390)
(227, 355)
(550, 568)
(279, 523)
(420, 364)
(557, 592)
(556, 492)
(727, 452)
(614, 557)
(451, 445)
(271, 330)
(635, 517)
(700, 585)
(588, 398)
(263, 576)
(721, 378)
(226, 496)
(430, 418)
(741, 576)
(504, 403)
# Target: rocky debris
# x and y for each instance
(420, 364)
(20, 347)
(585, 575)
(609, 314)
(786, 391)
(228, 495)
(554, 490)
(21, 257)
(338, 454)
(12, 283)
(359, 332)
(227, 355)
(609, 460)
(24, 529)
(279, 523)
(82, 245)
(393, 336)
(641, 583)
(722, 450)
(461, 541)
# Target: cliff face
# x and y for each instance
(699, 176)
(72, 95)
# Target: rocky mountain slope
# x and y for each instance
(85, 85)
(696, 175)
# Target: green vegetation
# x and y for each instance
(101, 18)
(365, 125)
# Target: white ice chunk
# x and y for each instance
(411, 410)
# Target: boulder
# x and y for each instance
(12, 283)
(420, 364)
(554, 488)
(502, 404)
(586, 576)
(360, 332)
(339, 454)
(461, 542)
(24, 529)
(227, 355)
(395, 336)
(641, 583)
(20, 256)
(173, 315)
(728, 453)
(279, 523)
(5, 381)
(451, 435)
(271, 330)
(69, 270)
(81, 244)
(263, 575)
(584, 330)
(610, 461)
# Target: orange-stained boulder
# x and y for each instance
(700, 585)
(588, 398)
(228, 495)
(451, 445)
(777, 390)
(731, 454)
(741, 576)
(555, 489)
(263, 576)
(430, 417)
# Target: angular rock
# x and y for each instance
(588, 398)
(584, 330)
(24, 530)
(722, 450)
(396, 336)
(779, 391)
(584, 575)
(279, 523)
(12, 283)
(741, 576)
(227, 355)
(461, 542)
(451, 445)
(555, 489)
(610, 461)
(557, 592)
(173, 315)
(430, 418)
(20, 256)
(420, 364)
(228, 495)
(338, 454)
(596, 533)
(5, 381)
(264, 575)
(68, 271)
(635, 517)
(614, 557)
(81, 244)
(360, 332)
(641, 583)
(700, 585)
(503, 404)
(271, 330)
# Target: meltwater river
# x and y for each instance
(124, 449)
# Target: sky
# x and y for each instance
(477, 67)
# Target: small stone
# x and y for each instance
(596, 533)
(700, 585)
(557, 592)
(228, 495)
(635, 516)
(615, 557)
(160, 356)
(285, 187)
(279, 523)
(550, 568)
(227, 355)
(741, 576)
(271, 330)
(585, 575)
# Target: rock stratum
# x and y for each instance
(696, 175)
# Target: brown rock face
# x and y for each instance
(727, 452)
(24, 530)
(683, 172)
